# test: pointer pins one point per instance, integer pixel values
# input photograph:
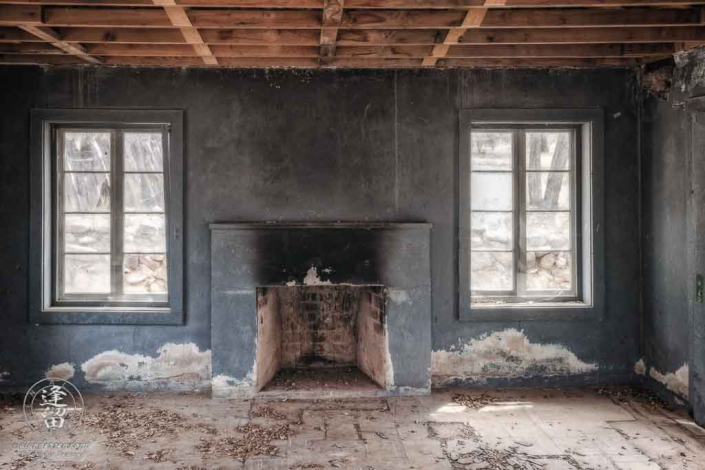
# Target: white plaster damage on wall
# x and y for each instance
(4, 376)
(389, 366)
(312, 278)
(640, 367)
(176, 367)
(399, 297)
(224, 386)
(64, 371)
(677, 381)
(506, 354)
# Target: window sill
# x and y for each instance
(530, 312)
(107, 316)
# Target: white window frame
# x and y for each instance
(587, 299)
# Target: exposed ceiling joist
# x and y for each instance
(365, 4)
(178, 17)
(332, 16)
(347, 33)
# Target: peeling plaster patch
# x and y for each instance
(224, 386)
(63, 371)
(505, 354)
(399, 297)
(677, 381)
(237, 292)
(177, 366)
(3, 376)
(640, 367)
(291, 283)
(389, 366)
(312, 278)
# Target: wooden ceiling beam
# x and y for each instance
(332, 16)
(366, 4)
(522, 18)
(354, 19)
(185, 50)
(559, 62)
(53, 38)
(178, 17)
(504, 51)
(473, 19)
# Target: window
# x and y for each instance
(530, 213)
(522, 223)
(110, 215)
(111, 222)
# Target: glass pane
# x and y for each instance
(492, 231)
(145, 274)
(87, 151)
(86, 192)
(548, 150)
(491, 151)
(144, 193)
(549, 271)
(143, 151)
(87, 274)
(87, 233)
(491, 191)
(144, 233)
(491, 271)
(546, 231)
(548, 191)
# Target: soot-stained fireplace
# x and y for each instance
(319, 297)
(321, 337)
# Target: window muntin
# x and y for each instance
(110, 215)
(523, 213)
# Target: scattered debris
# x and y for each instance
(477, 401)
(500, 459)
(158, 456)
(255, 440)
(267, 412)
(627, 395)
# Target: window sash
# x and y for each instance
(520, 293)
(117, 188)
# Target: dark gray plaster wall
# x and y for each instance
(666, 277)
(673, 197)
(319, 146)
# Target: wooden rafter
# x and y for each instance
(332, 16)
(348, 33)
(473, 19)
(52, 37)
(178, 17)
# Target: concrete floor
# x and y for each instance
(508, 429)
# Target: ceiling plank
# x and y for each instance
(523, 18)
(178, 17)
(365, 4)
(332, 16)
(503, 51)
(558, 62)
(583, 35)
(367, 19)
(185, 50)
(12, 15)
(53, 38)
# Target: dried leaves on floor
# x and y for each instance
(254, 440)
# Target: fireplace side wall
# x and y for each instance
(269, 335)
(371, 334)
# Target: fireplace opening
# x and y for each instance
(321, 338)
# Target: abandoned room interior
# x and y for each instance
(360, 234)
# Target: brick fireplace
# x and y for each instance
(309, 327)
(304, 296)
